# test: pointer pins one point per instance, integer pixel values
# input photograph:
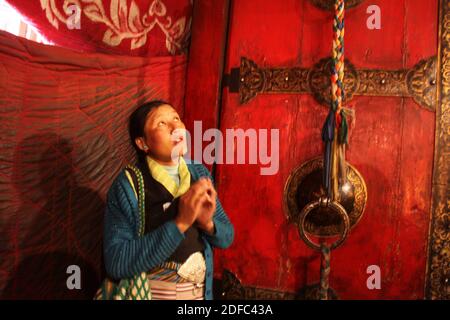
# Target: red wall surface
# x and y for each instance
(391, 145)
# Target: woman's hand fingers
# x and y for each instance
(213, 194)
(200, 200)
(191, 203)
(200, 186)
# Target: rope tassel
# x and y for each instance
(327, 138)
(336, 124)
(334, 135)
(343, 129)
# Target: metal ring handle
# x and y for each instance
(323, 202)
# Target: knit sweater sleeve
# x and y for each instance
(224, 231)
(126, 254)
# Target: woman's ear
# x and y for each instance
(141, 144)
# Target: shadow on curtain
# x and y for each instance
(63, 139)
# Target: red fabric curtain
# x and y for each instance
(128, 27)
(63, 131)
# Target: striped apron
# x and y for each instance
(166, 284)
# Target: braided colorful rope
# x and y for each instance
(337, 76)
(336, 118)
(336, 122)
(324, 272)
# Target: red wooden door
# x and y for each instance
(391, 145)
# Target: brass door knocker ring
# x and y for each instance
(323, 202)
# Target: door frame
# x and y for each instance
(437, 284)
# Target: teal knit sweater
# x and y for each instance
(126, 254)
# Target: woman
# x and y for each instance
(183, 216)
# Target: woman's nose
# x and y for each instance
(177, 125)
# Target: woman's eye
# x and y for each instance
(176, 119)
(161, 123)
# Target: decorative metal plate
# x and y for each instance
(304, 185)
(312, 292)
(320, 84)
(329, 4)
(233, 289)
(418, 82)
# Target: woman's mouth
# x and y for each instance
(178, 140)
(179, 146)
(178, 136)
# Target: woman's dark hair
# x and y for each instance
(136, 123)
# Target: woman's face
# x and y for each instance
(164, 134)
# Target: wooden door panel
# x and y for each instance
(391, 144)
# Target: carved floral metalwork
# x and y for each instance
(304, 186)
(232, 289)
(329, 4)
(418, 82)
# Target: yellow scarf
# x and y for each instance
(160, 174)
